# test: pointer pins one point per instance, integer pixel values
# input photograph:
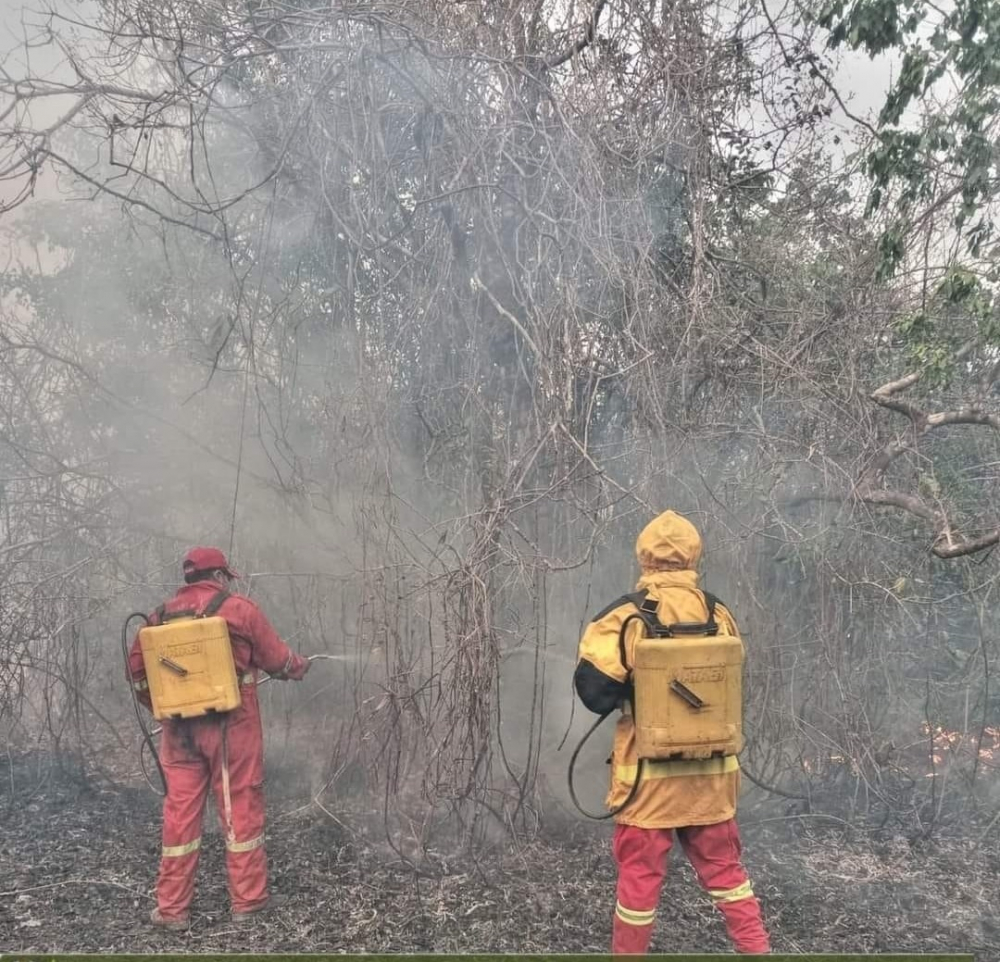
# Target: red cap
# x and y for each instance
(207, 559)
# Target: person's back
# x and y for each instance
(256, 645)
(222, 752)
(694, 797)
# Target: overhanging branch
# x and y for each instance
(947, 542)
(580, 45)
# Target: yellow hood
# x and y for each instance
(668, 543)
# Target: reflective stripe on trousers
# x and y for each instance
(176, 851)
(248, 846)
(714, 852)
(744, 891)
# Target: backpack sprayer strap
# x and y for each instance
(647, 613)
(640, 600)
(214, 604)
(217, 600)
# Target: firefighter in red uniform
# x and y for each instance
(224, 753)
(694, 798)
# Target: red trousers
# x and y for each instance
(225, 754)
(714, 853)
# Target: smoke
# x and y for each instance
(423, 336)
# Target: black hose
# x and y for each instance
(147, 738)
(572, 790)
(593, 728)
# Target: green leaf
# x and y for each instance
(891, 250)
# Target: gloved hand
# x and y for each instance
(298, 668)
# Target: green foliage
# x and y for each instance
(960, 306)
(870, 24)
(937, 361)
(962, 288)
(891, 249)
(911, 80)
(960, 42)
(915, 327)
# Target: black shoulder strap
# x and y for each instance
(215, 603)
(646, 612)
(635, 599)
(641, 603)
(710, 627)
(711, 601)
(648, 608)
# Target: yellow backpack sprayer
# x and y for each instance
(190, 670)
(686, 691)
(189, 663)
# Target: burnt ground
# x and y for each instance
(77, 866)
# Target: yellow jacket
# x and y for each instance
(672, 794)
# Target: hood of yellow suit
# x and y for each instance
(668, 543)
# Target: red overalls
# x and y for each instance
(224, 753)
(714, 853)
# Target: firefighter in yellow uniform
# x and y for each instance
(696, 798)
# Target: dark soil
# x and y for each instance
(77, 866)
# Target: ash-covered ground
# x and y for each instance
(77, 865)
